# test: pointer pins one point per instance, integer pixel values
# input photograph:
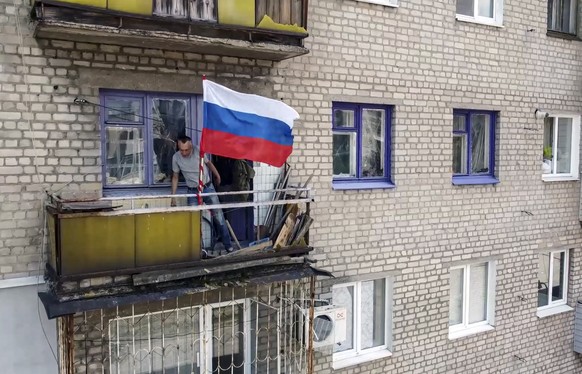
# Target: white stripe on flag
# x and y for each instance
(247, 103)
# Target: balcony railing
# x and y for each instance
(131, 235)
(274, 27)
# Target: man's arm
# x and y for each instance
(175, 178)
(212, 168)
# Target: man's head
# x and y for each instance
(185, 146)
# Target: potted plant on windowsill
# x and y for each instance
(547, 163)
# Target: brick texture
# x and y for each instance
(416, 57)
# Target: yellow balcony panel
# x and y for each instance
(91, 244)
(143, 7)
(93, 3)
(236, 12)
(163, 238)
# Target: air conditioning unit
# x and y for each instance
(329, 325)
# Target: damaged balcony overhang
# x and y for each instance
(55, 20)
(163, 285)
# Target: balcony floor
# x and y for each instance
(64, 23)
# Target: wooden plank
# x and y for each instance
(252, 248)
(285, 231)
(273, 9)
(296, 12)
(308, 221)
(233, 236)
(285, 11)
(260, 11)
(165, 276)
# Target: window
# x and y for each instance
(562, 16)
(369, 319)
(482, 11)
(139, 133)
(472, 299)
(560, 153)
(552, 279)
(217, 338)
(361, 146)
(473, 147)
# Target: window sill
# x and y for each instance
(550, 311)
(474, 180)
(387, 3)
(480, 21)
(562, 35)
(470, 331)
(559, 178)
(361, 185)
(356, 360)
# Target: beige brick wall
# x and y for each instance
(416, 57)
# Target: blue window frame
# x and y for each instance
(361, 146)
(139, 132)
(474, 147)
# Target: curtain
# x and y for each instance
(480, 143)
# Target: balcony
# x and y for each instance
(125, 249)
(130, 235)
(263, 29)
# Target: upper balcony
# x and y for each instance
(262, 29)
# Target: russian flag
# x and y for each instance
(244, 126)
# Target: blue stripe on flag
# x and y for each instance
(245, 124)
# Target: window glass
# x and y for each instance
(227, 337)
(562, 16)
(344, 297)
(548, 157)
(558, 262)
(170, 119)
(124, 149)
(480, 143)
(459, 154)
(485, 8)
(373, 128)
(120, 109)
(543, 279)
(373, 324)
(343, 118)
(456, 297)
(564, 145)
(478, 293)
(344, 154)
(466, 7)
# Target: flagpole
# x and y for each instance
(201, 169)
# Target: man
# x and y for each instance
(187, 161)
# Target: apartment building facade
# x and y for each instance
(441, 139)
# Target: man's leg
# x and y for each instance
(219, 216)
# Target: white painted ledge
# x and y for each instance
(546, 312)
(357, 360)
(470, 331)
(480, 21)
(388, 3)
(21, 282)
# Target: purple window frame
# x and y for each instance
(477, 178)
(146, 122)
(360, 182)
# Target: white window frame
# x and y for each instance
(357, 355)
(557, 306)
(575, 146)
(205, 323)
(497, 19)
(464, 328)
(389, 3)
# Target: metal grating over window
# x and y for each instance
(250, 330)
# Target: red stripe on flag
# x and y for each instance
(242, 147)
